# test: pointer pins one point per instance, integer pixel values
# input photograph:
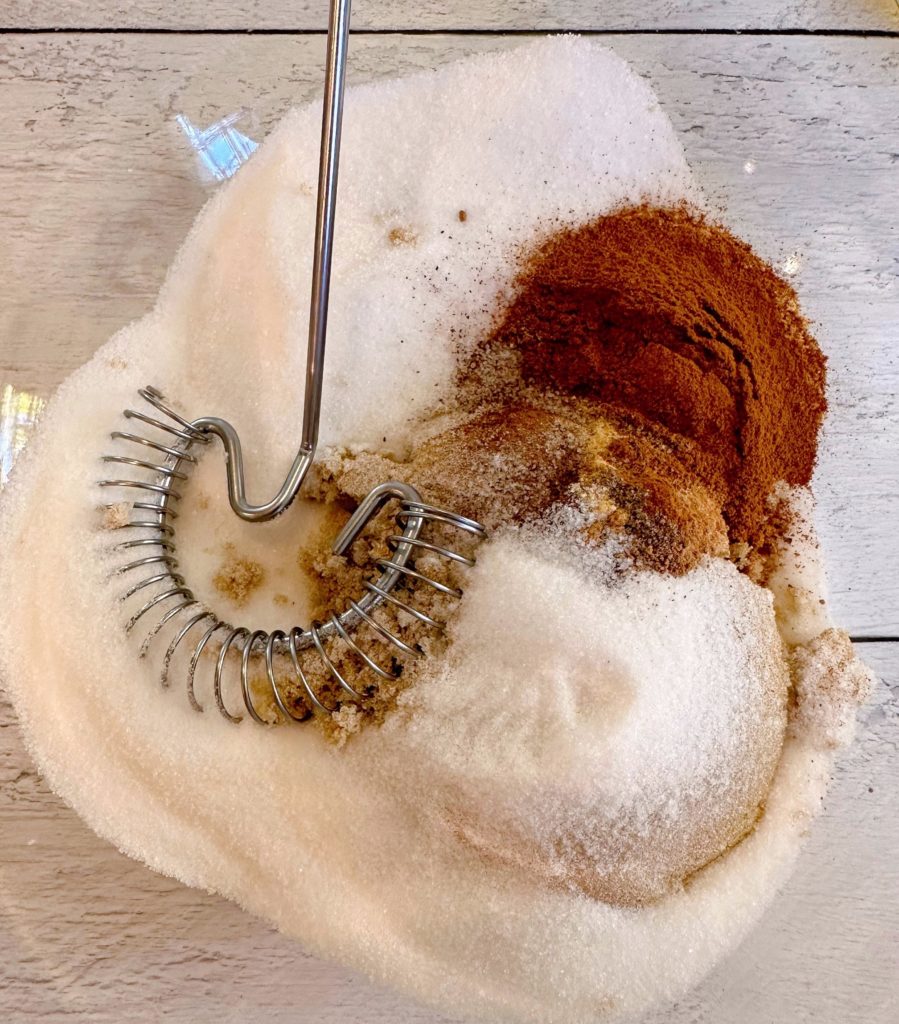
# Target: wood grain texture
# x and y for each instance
(444, 15)
(100, 192)
(88, 936)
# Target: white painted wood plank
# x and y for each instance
(88, 936)
(100, 191)
(443, 15)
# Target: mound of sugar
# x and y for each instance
(633, 728)
(348, 849)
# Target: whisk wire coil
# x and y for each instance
(173, 606)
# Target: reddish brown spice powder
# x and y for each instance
(666, 317)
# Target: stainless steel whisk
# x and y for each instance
(169, 444)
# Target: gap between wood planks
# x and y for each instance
(833, 33)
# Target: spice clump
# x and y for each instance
(674, 324)
(668, 381)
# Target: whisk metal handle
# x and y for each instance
(329, 156)
(332, 118)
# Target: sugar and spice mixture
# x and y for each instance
(662, 383)
(693, 351)
(603, 770)
(672, 318)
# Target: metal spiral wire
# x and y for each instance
(164, 453)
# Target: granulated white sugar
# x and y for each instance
(578, 733)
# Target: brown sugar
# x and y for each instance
(398, 236)
(505, 464)
(671, 319)
(238, 578)
(669, 517)
(513, 461)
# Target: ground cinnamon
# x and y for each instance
(669, 318)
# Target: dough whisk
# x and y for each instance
(163, 447)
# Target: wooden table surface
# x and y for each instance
(789, 113)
